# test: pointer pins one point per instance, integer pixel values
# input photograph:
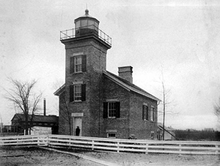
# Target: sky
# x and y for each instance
(169, 41)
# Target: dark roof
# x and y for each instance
(60, 90)
(128, 85)
(37, 118)
(120, 81)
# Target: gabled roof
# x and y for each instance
(120, 81)
(37, 118)
(60, 90)
(129, 86)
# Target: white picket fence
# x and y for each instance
(114, 145)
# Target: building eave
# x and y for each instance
(60, 90)
(117, 81)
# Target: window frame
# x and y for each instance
(111, 110)
(152, 114)
(78, 64)
(116, 109)
(108, 135)
(145, 112)
(77, 92)
(152, 135)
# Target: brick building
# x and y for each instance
(100, 103)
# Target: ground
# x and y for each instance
(39, 157)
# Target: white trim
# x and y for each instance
(112, 100)
(58, 91)
(145, 104)
(77, 114)
(76, 54)
(111, 131)
(77, 82)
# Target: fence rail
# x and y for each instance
(115, 145)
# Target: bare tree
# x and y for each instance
(22, 96)
(165, 101)
(217, 110)
(67, 111)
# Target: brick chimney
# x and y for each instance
(125, 72)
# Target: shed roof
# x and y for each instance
(37, 118)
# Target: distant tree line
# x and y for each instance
(198, 135)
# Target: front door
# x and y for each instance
(77, 126)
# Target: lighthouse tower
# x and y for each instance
(85, 48)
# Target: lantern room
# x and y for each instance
(86, 24)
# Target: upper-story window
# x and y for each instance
(145, 112)
(111, 110)
(77, 92)
(152, 114)
(78, 64)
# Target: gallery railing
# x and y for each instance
(85, 31)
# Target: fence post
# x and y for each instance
(180, 149)
(17, 140)
(93, 144)
(38, 141)
(216, 151)
(47, 141)
(118, 146)
(146, 148)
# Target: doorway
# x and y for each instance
(77, 122)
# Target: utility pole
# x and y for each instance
(164, 107)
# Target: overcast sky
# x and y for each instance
(180, 39)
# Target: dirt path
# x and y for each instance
(39, 157)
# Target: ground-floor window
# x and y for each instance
(111, 110)
(152, 134)
(152, 114)
(111, 135)
(145, 112)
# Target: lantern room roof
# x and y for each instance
(86, 16)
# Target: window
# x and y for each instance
(78, 64)
(145, 112)
(111, 110)
(77, 92)
(111, 135)
(152, 114)
(152, 134)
